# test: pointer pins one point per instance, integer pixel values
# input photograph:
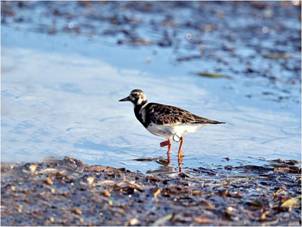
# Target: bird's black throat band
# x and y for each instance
(137, 112)
(139, 106)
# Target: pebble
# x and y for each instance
(90, 180)
(48, 181)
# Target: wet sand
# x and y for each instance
(69, 192)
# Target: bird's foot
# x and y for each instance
(163, 162)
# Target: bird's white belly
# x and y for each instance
(168, 131)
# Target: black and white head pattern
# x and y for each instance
(137, 97)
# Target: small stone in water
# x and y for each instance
(90, 180)
(156, 193)
(77, 211)
(134, 221)
(229, 211)
(48, 181)
(33, 168)
(106, 193)
(202, 220)
(51, 219)
(19, 208)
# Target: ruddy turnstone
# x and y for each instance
(166, 121)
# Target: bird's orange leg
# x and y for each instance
(180, 155)
(167, 143)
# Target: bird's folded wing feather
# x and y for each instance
(164, 114)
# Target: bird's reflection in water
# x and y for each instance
(165, 165)
(165, 169)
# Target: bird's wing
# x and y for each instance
(165, 114)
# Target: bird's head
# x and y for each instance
(137, 97)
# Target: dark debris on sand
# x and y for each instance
(68, 192)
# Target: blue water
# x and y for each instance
(60, 97)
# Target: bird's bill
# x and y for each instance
(125, 99)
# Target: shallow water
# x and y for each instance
(60, 97)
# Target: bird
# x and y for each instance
(169, 122)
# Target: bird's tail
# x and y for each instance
(203, 120)
(208, 121)
(215, 122)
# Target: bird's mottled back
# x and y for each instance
(171, 115)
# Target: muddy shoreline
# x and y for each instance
(69, 192)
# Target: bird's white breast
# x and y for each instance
(168, 131)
